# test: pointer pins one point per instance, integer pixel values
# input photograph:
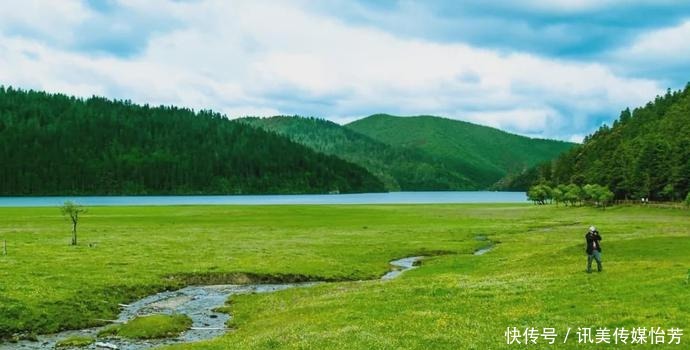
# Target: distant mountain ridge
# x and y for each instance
(398, 169)
(420, 152)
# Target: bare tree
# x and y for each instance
(73, 210)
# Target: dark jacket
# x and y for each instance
(593, 239)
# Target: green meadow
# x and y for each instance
(534, 276)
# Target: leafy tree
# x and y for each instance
(563, 189)
(573, 194)
(601, 195)
(557, 195)
(597, 195)
(605, 196)
(591, 192)
(72, 211)
(539, 194)
(687, 200)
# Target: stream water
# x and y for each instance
(197, 302)
(483, 251)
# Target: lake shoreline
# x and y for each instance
(425, 197)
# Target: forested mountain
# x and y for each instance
(52, 144)
(482, 154)
(645, 154)
(399, 169)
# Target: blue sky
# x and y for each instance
(556, 69)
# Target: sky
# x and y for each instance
(553, 69)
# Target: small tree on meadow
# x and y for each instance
(591, 193)
(563, 189)
(687, 200)
(604, 196)
(549, 192)
(539, 194)
(598, 195)
(72, 211)
(533, 194)
(573, 194)
(557, 195)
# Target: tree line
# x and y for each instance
(53, 144)
(645, 154)
(571, 195)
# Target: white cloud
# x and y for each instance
(265, 58)
(569, 6)
(525, 121)
(577, 138)
(51, 19)
(659, 46)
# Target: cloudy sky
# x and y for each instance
(556, 68)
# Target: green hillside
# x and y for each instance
(645, 153)
(399, 169)
(52, 144)
(484, 155)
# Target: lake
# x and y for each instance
(358, 198)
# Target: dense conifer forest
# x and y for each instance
(644, 154)
(53, 144)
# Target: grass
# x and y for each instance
(534, 277)
(75, 342)
(150, 327)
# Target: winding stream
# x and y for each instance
(483, 251)
(197, 302)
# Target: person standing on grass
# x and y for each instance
(593, 248)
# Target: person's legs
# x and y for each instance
(597, 257)
(589, 262)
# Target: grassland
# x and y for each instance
(533, 278)
(150, 327)
(75, 342)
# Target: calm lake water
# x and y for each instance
(359, 198)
